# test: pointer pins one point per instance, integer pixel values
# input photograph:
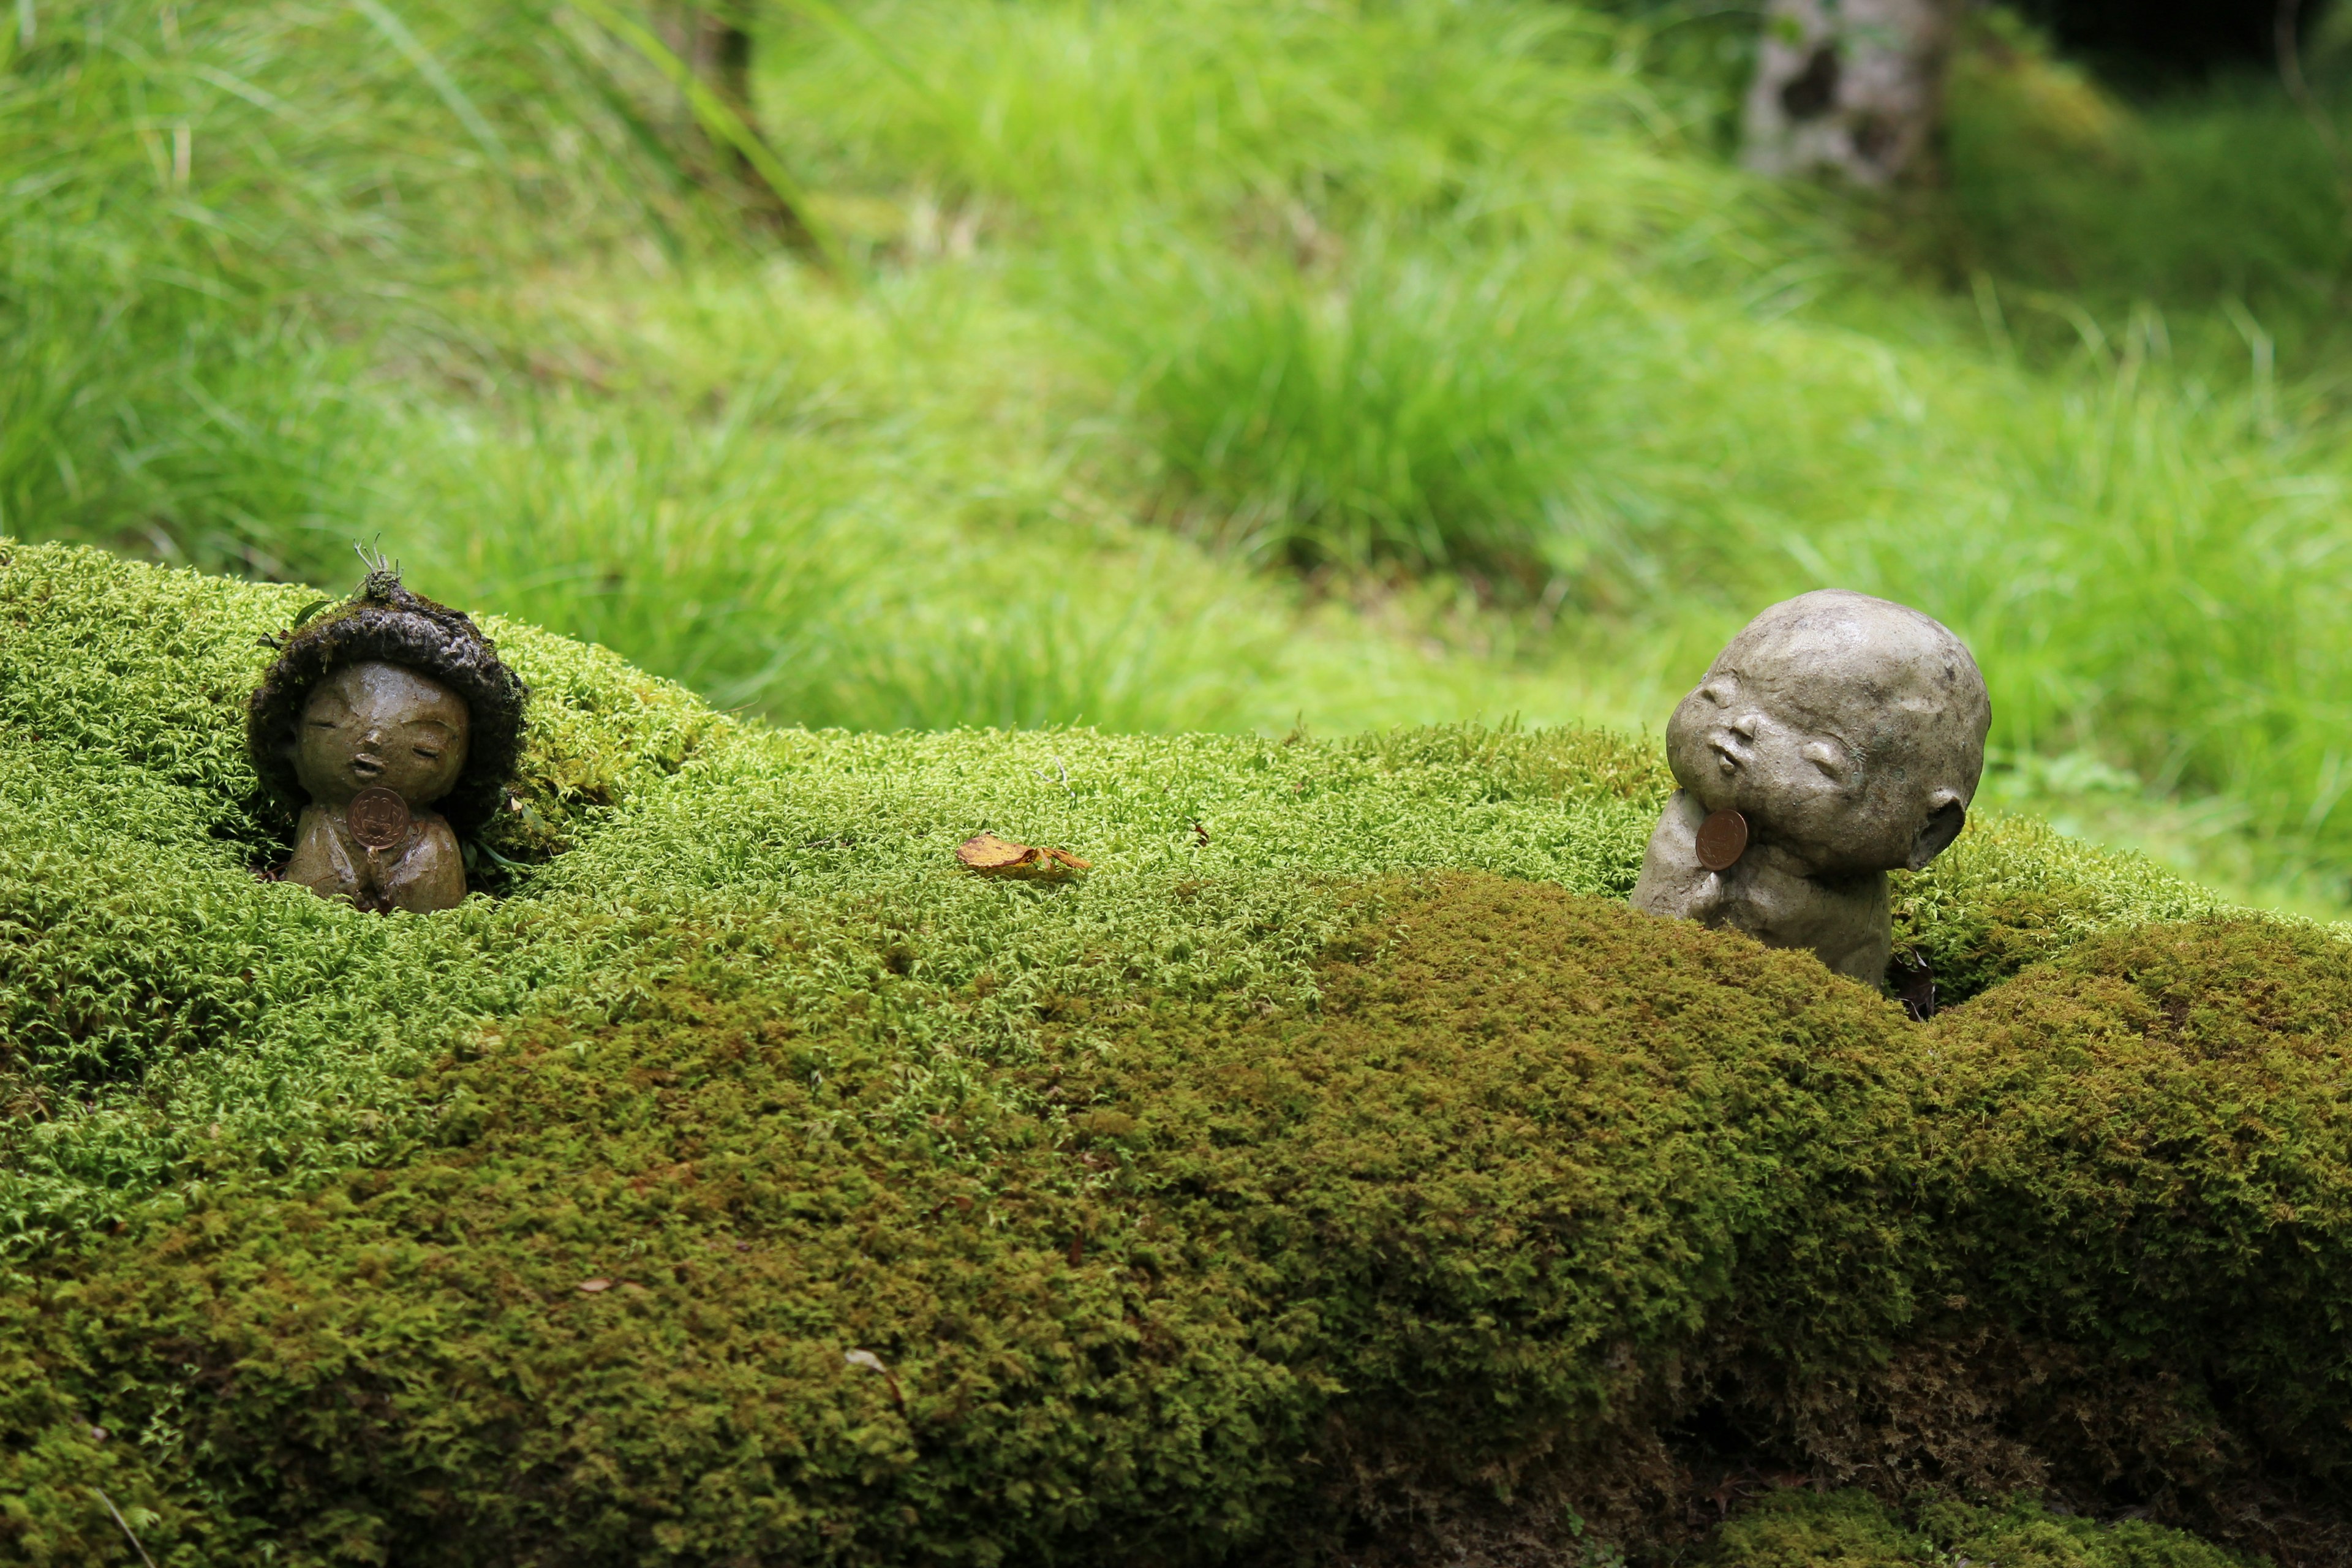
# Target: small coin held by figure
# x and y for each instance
(379, 818)
(1722, 840)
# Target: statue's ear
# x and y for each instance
(1945, 817)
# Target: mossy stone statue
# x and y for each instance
(1838, 737)
(392, 726)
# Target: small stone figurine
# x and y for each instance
(1837, 738)
(374, 715)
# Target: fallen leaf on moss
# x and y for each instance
(593, 1286)
(987, 852)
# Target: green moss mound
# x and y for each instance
(2147, 1144)
(1853, 1530)
(1337, 1167)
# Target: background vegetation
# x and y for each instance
(1210, 365)
(1192, 366)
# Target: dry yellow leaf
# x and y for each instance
(987, 852)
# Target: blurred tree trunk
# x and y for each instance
(1855, 86)
(718, 47)
(715, 45)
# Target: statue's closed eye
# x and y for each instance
(430, 754)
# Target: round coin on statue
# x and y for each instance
(378, 818)
(1722, 840)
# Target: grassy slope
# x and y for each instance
(353, 312)
(1339, 1104)
(1469, 288)
(1563, 341)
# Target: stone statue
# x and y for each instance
(1837, 738)
(392, 725)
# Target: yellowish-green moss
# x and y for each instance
(1853, 1530)
(1123, 1288)
(1339, 1160)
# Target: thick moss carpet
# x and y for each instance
(1338, 1171)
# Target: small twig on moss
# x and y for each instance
(126, 1527)
(373, 557)
(873, 1362)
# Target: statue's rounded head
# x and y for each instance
(373, 725)
(1849, 730)
(389, 691)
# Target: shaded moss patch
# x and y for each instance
(1121, 1293)
(2013, 891)
(1446, 1253)
(1795, 1528)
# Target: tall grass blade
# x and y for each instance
(412, 50)
(834, 19)
(724, 123)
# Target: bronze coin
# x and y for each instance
(1722, 840)
(378, 817)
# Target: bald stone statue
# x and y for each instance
(1837, 738)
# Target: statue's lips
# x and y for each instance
(1727, 755)
(367, 767)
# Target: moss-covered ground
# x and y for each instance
(1337, 1169)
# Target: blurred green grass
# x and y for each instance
(1210, 365)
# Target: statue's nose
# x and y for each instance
(1746, 726)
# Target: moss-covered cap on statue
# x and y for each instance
(389, 725)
